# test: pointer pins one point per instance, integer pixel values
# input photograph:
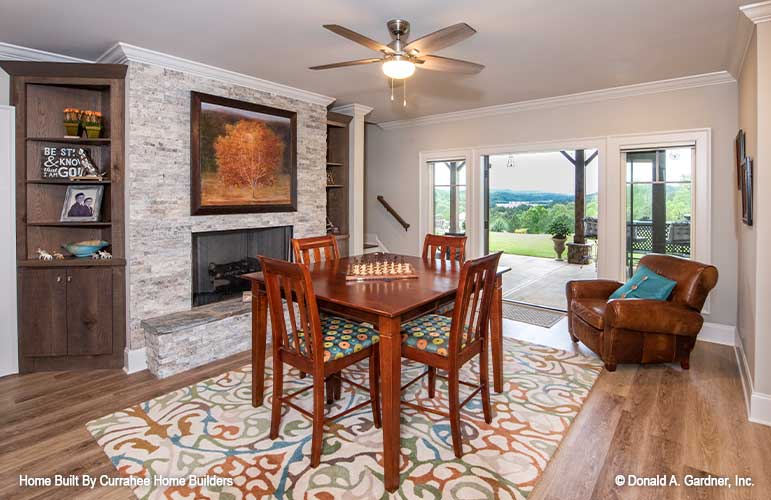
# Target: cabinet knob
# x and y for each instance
(69, 279)
(58, 279)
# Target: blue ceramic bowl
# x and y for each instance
(80, 249)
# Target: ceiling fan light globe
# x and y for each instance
(398, 69)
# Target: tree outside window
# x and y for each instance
(449, 186)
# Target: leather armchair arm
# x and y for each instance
(654, 316)
(590, 289)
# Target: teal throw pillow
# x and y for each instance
(645, 284)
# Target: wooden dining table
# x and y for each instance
(386, 304)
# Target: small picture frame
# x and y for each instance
(741, 153)
(82, 203)
(746, 190)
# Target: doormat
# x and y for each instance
(532, 315)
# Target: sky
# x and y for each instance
(548, 172)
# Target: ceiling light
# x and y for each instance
(398, 68)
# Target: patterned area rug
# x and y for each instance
(537, 316)
(211, 428)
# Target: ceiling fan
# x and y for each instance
(400, 58)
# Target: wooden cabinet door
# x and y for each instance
(89, 311)
(43, 321)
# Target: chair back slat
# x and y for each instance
(291, 283)
(444, 247)
(309, 250)
(471, 317)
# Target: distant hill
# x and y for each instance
(536, 197)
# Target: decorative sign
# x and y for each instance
(62, 162)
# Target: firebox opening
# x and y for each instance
(221, 257)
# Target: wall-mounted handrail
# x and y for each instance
(393, 212)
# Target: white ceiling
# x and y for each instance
(532, 48)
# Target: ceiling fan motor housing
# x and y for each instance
(399, 29)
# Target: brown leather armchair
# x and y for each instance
(641, 330)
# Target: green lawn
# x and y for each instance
(534, 245)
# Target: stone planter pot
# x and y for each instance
(559, 246)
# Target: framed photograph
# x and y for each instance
(82, 203)
(746, 190)
(741, 152)
(243, 157)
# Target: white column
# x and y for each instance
(8, 344)
(355, 175)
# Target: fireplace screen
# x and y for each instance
(221, 257)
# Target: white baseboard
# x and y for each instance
(717, 333)
(758, 404)
(134, 360)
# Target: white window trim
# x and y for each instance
(701, 189)
(426, 192)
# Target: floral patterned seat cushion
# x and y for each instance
(446, 308)
(342, 337)
(430, 333)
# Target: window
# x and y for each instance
(658, 203)
(448, 180)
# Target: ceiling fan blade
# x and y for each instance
(348, 63)
(356, 37)
(440, 39)
(439, 63)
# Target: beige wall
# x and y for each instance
(762, 198)
(748, 117)
(392, 160)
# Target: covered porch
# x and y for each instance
(541, 281)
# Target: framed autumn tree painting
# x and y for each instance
(243, 157)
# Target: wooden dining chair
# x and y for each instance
(315, 249)
(319, 347)
(444, 247)
(447, 344)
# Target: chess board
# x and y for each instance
(379, 266)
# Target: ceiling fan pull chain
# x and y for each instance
(392, 89)
(404, 89)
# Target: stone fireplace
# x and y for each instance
(221, 257)
(167, 326)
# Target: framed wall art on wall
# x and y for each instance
(243, 157)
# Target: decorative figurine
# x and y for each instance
(90, 170)
(43, 255)
(58, 256)
(104, 254)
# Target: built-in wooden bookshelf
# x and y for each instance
(72, 311)
(337, 170)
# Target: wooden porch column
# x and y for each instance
(580, 196)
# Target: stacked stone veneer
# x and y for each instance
(160, 227)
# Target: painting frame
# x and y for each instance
(197, 206)
(741, 153)
(746, 190)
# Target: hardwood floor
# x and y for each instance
(644, 421)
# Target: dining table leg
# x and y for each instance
(259, 333)
(390, 384)
(496, 335)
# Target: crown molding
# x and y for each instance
(686, 82)
(354, 109)
(757, 12)
(122, 53)
(11, 52)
